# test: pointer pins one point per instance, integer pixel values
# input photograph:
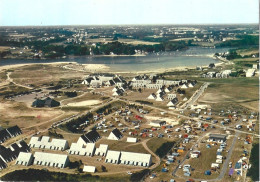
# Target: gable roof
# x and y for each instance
(2, 164)
(117, 133)
(9, 133)
(15, 130)
(91, 137)
(11, 153)
(4, 135)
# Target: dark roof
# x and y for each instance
(14, 131)
(174, 101)
(9, 133)
(48, 102)
(4, 135)
(38, 103)
(117, 133)
(2, 164)
(11, 153)
(217, 136)
(51, 102)
(91, 137)
(117, 80)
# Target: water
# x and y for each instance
(195, 56)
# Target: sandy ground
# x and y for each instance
(6, 67)
(168, 120)
(85, 103)
(100, 67)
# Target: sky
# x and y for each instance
(107, 12)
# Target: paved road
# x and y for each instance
(195, 96)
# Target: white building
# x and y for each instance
(152, 96)
(113, 157)
(250, 72)
(131, 140)
(167, 82)
(102, 150)
(136, 159)
(45, 142)
(171, 96)
(159, 98)
(24, 158)
(154, 86)
(185, 86)
(86, 150)
(115, 135)
(89, 169)
(157, 123)
(50, 159)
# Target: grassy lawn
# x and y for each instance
(155, 143)
(243, 91)
(203, 163)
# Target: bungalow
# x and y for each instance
(24, 158)
(118, 92)
(191, 84)
(173, 102)
(51, 160)
(115, 135)
(102, 150)
(152, 96)
(185, 86)
(159, 98)
(217, 138)
(113, 157)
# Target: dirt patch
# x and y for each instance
(85, 103)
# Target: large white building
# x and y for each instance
(24, 158)
(102, 150)
(45, 142)
(113, 157)
(128, 158)
(51, 160)
(78, 149)
(136, 159)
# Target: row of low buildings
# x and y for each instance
(97, 81)
(43, 159)
(212, 74)
(8, 154)
(128, 158)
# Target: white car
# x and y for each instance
(129, 173)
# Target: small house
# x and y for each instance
(115, 135)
